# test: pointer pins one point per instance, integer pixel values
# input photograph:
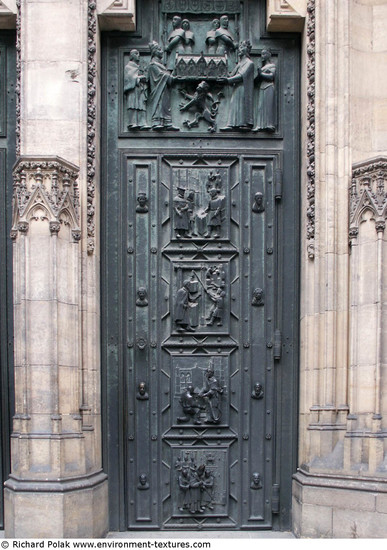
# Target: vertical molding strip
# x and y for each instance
(91, 121)
(311, 127)
(18, 76)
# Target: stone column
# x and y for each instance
(366, 424)
(57, 487)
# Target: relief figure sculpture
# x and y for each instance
(191, 213)
(181, 210)
(142, 200)
(160, 82)
(211, 39)
(135, 93)
(225, 40)
(142, 297)
(257, 392)
(176, 42)
(212, 394)
(190, 405)
(189, 37)
(267, 104)
(241, 104)
(217, 310)
(256, 482)
(215, 213)
(143, 484)
(258, 205)
(183, 302)
(196, 484)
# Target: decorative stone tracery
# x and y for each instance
(368, 191)
(46, 189)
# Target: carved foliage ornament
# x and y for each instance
(311, 127)
(18, 75)
(368, 191)
(46, 190)
(91, 122)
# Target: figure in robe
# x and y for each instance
(215, 211)
(176, 42)
(211, 38)
(181, 218)
(212, 393)
(135, 93)
(189, 37)
(225, 40)
(182, 307)
(241, 115)
(160, 82)
(267, 104)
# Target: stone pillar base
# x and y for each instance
(76, 508)
(339, 506)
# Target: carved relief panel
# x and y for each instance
(200, 71)
(195, 162)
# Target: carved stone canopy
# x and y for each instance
(45, 189)
(368, 191)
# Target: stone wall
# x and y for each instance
(341, 486)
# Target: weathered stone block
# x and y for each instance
(358, 524)
(316, 521)
(381, 503)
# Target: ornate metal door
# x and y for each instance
(7, 159)
(200, 228)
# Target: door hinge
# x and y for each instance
(278, 185)
(277, 345)
(275, 499)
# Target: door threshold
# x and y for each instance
(201, 535)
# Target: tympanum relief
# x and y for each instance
(209, 62)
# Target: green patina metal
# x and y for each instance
(200, 192)
(7, 159)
